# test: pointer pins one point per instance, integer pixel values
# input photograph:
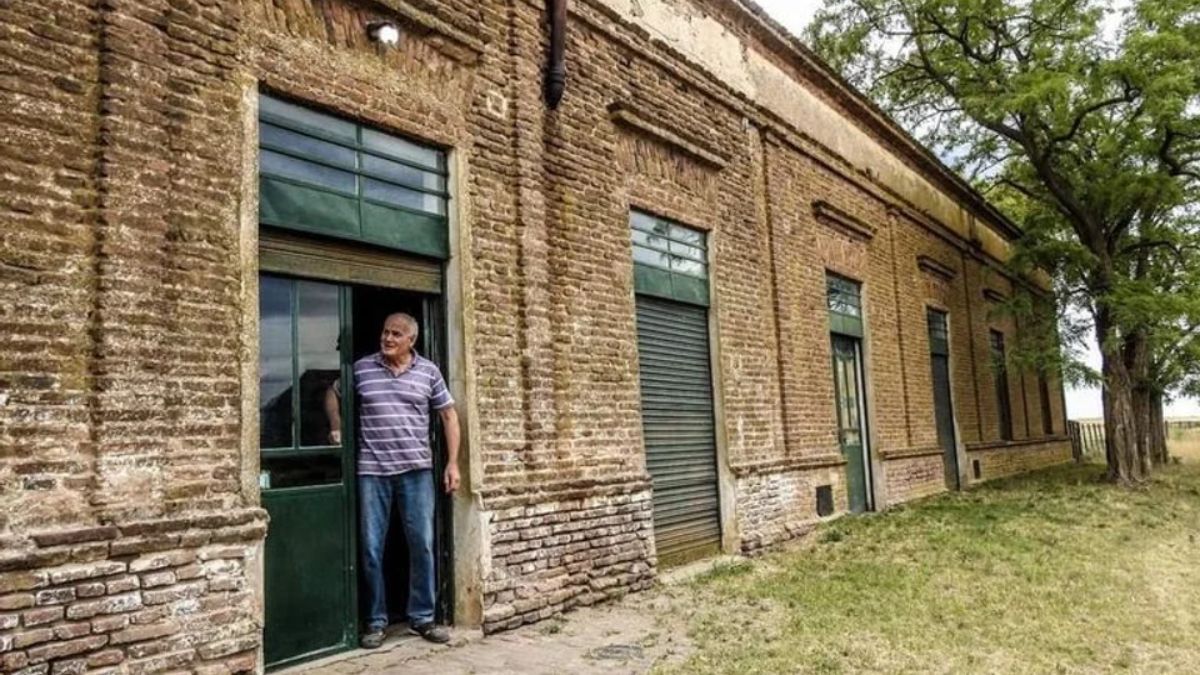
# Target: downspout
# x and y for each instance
(556, 69)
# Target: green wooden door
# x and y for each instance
(677, 422)
(943, 407)
(851, 409)
(945, 418)
(307, 471)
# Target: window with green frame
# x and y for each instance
(844, 299)
(669, 260)
(327, 175)
(1000, 379)
(939, 331)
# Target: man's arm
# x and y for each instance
(450, 424)
(333, 412)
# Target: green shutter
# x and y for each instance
(678, 428)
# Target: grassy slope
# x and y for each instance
(1048, 573)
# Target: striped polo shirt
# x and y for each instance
(394, 411)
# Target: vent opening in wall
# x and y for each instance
(977, 468)
(824, 500)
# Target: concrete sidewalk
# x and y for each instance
(628, 636)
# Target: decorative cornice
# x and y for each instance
(831, 215)
(625, 115)
(936, 268)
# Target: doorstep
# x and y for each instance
(399, 646)
(627, 636)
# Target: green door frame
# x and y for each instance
(433, 317)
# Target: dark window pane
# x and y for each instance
(1047, 417)
(275, 362)
(308, 146)
(310, 119)
(398, 196)
(652, 258)
(687, 235)
(285, 472)
(275, 164)
(686, 251)
(405, 150)
(843, 296)
(690, 267)
(402, 173)
(649, 240)
(319, 361)
(1000, 376)
(937, 325)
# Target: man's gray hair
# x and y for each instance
(406, 319)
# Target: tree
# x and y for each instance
(1084, 121)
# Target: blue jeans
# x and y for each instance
(413, 493)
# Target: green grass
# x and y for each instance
(1053, 572)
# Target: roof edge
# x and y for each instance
(875, 116)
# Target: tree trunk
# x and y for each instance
(1136, 352)
(1120, 418)
(1159, 455)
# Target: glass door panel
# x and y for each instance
(847, 379)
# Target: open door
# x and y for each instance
(306, 479)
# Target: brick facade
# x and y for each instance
(130, 526)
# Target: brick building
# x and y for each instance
(712, 270)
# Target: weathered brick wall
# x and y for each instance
(149, 596)
(121, 376)
(909, 478)
(570, 549)
(778, 505)
(122, 527)
(1012, 459)
(47, 268)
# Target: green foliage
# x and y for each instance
(1082, 123)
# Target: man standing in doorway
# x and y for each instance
(397, 391)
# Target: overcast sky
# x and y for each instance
(1081, 403)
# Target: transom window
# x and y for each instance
(939, 332)
(670, 260)
(844, 299)
(322, 173)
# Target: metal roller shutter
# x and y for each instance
(677, 422)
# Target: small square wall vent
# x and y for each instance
(975, 465)
(824, 500)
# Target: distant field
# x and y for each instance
(1183, 438)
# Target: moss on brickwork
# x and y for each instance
(128, 288)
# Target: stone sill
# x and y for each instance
(910, 453)
(78, 544)
(1015, 445)
(786, 465)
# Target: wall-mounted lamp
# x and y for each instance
(385, 33)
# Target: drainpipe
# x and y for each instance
(556, 70)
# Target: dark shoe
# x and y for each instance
(432, 632)
(372, 640)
